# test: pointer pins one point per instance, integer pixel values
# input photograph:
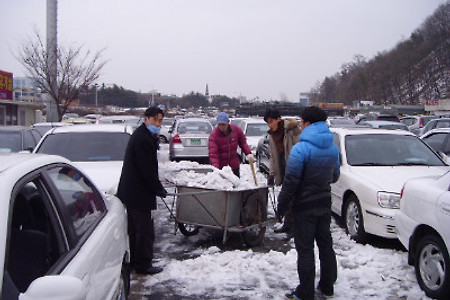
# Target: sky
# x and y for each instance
(193, 271)
(253, 48)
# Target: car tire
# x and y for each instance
(353, 220)
(432, 267)
(163, 140)
(188, 229)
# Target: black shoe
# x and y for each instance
(289, 236)
(281, 229)
(322, 295)
(291, 296)
(149, 271)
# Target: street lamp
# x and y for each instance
(96, 96)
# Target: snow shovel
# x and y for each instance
(252, 167)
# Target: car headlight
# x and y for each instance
(388, 200)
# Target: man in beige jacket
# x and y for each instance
(283, 135)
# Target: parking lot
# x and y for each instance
(201, 267)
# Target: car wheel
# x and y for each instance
(188, 229)
(354, 224)
(432, 266)
(163, 140)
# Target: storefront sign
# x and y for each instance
(6, 85)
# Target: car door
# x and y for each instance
(97, 239)
(443, 214)
(37, 241)
(59, 226)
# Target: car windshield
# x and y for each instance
(86, 146)
(194, 126)
(256, 129)
(10, 141)
(389, 150)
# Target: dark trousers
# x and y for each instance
(309, 225)
(141, 232)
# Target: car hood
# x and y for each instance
(391, 179)
(253, 140)
(104, 174)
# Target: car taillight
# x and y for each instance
(401, 192)
(176, 139)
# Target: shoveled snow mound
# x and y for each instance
(205, 176)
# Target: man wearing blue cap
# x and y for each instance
(223, 143)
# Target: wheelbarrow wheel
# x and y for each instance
(254, 212)
(188, 229)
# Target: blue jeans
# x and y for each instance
(309, 225)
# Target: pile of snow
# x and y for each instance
(193, 174)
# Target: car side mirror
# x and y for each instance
(55, 287)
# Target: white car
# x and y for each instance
(423, 226)
(375, 163)
(254, 130)
(60, 237)
(98, 150)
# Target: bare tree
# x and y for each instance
(76, 70)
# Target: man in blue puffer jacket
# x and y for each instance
(312, 166)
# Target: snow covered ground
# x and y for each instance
(200, 267)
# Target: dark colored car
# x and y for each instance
(263, 154)
(18, 138)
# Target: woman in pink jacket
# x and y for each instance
(223, 143)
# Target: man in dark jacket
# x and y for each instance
(313, 165)
(138, 187)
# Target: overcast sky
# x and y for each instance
(253, 48)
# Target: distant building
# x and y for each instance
(13, 112)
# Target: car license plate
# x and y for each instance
(196, 142)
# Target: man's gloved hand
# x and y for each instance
(270, 180)
(162, 193)
(250, 158)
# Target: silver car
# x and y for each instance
(188, 139)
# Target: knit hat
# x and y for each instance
(222, 118)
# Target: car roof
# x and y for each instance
(192, 119)
(7, 160)
(381, 122)
(14, 128)
(254, 121)
(93, 128)
(437, 130)
(365, 130)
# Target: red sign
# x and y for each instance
(432, 102)
(6, 85)
(331, 105)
